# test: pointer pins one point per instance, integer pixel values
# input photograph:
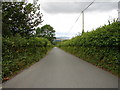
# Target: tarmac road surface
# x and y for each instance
(62, 70)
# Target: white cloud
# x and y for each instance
(63, 22)
(77, 7)
(61, 18)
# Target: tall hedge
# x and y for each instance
(99, 46)
(19, 52)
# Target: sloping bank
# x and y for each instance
(99, 47)
(19, 53)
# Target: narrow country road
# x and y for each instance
(62, 70)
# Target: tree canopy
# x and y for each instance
(20, 17)
(46, 31)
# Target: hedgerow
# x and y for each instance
(99, 46)
(19, 53)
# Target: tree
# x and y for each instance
(20, 17)
(46, 31)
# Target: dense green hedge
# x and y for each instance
(18, 53)
(99, 46)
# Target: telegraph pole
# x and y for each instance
(83, 16)
(82, 22)
(119, 11)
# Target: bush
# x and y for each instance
(19, 52)
(99, 46)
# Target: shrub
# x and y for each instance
(99, 46)
(19, 52)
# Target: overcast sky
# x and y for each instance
(62, 14)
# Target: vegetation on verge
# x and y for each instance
(19, 53)
(99, 46)
(20, 45)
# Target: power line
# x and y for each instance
(83, 16)
(73, 24)
(88, 6)
(79, 17)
